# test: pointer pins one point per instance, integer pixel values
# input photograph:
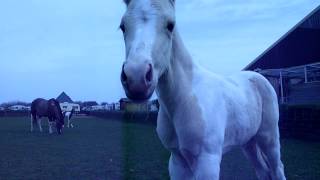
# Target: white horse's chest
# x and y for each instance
(68, 114)
(183, 131)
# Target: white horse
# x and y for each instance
(202, 115)
(68, 115)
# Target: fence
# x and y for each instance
(8, 113)
(302, 122)
(131, 117)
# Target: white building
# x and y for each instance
(153, 107)
(65, 106)
(109, 107)
(117, 106)
(19, 108)
(97, 108)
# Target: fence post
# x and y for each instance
(305, 74)
(281, 87)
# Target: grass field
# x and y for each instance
(106, 149)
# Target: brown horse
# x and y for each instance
(47, 108)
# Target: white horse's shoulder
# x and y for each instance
(165, 130)
(209, 89)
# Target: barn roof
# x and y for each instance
(299, 46)
(63, 97)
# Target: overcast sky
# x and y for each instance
(50, 46)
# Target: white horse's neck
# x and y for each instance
(175, 84)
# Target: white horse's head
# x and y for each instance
(148, 27)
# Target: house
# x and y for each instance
(109, 107)
(112, 106)
(117, 106)
(131, 106)
(88, 104)
(65, 106)
(66, 103)
(292, 64)
(97, 108)
(154, 105)
(63, 97)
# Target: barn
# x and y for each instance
(292, 64)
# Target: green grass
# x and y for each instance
(105, 149)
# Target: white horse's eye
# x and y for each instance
(122, 27)
(170, 26)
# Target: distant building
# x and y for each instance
(69, 106)
(63, 97)
(97, 108)
(19, 108)
(112, 106)
(109, 107)
(66, 103)
(292, 64)
(131, 106)
(117, 106)
(89, 103)
(2, 108)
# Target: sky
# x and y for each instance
(50, 46)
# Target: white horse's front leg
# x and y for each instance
(178, 168)
(204, 167)
(39, 124)
(31, 123)
(50, 127)
(207, 166)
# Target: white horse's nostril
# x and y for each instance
(149, 74)
(137, 80)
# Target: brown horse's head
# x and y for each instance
(55, 111)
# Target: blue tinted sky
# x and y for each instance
(50, 46)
